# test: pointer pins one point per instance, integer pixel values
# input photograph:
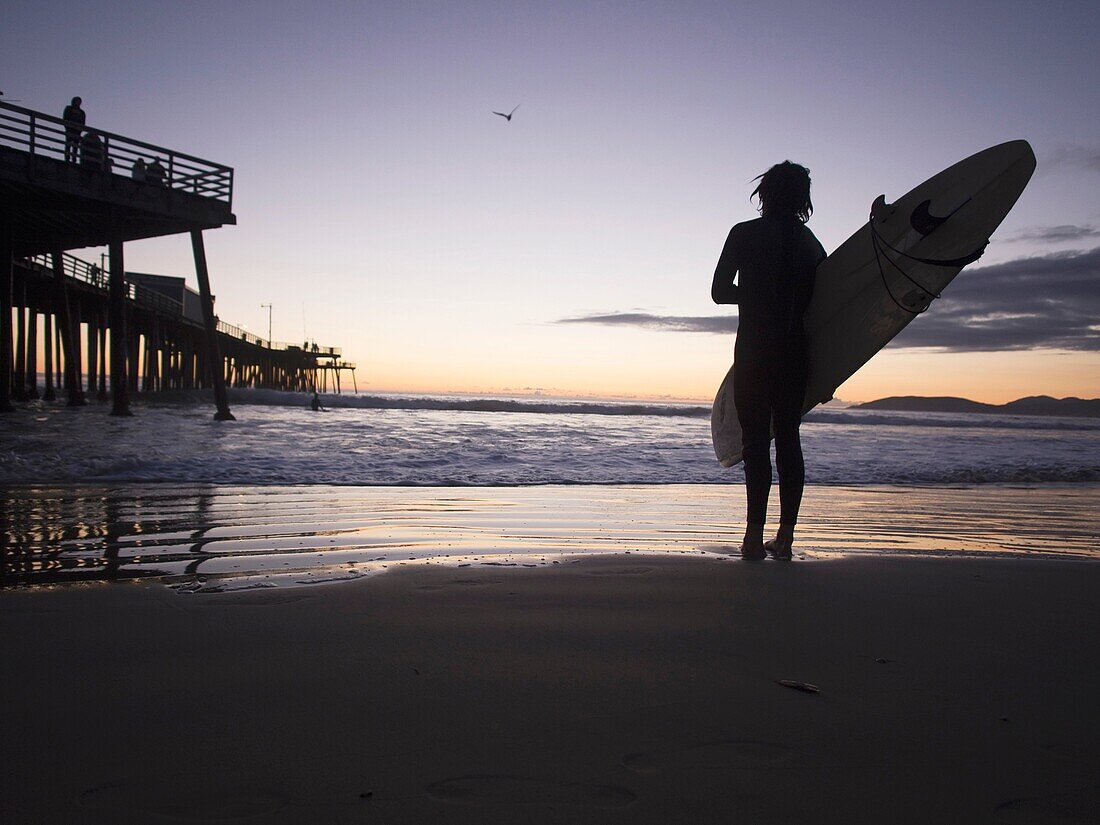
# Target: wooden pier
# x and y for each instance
(126, 333)
(166, 339)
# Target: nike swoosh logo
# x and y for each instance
(925, 222)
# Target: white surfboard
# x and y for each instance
(890, 271)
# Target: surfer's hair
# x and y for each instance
(784, 192)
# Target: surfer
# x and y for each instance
(774, 259)
(315, 403)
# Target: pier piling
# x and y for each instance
(32, 350)
(5, 316)
(47, 354)
(101, 393)
(211, 323)
(92, 340)
(116, 307)
(67, 349)
(19, 381)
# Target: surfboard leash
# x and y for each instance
(879, 255)
(959, 262)
(878, 242)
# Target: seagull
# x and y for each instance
(508, 116)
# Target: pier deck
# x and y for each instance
(54, 203)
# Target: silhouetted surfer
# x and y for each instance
(774, 259)
(315, 403)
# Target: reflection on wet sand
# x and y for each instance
(204, 537)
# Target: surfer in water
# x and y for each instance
(773, 259)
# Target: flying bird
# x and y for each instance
(508, 116)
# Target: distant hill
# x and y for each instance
(1032, 405)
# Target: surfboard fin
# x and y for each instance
(880, 209)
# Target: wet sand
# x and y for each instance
(210, 537)
(613, 688)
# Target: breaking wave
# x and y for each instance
(558, 406)
(445, 442)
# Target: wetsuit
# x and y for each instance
(774, 261)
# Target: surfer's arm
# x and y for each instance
(804, 286)
(803, 294)
(723, 290)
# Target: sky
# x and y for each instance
(383, 208)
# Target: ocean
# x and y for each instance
(367, 440)
(287, 497)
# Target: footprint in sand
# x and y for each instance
(133, 803)
(525, 790)
(727, 753)
(459, 583)
(1080, 805)
(620, 571)
(266, 601)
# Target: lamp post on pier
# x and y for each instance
(268, 323)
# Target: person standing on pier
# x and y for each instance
(74, 125)
(154, 172)
(91, 151)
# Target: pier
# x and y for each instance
(112, 333)
(166, 339)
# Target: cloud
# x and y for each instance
(1043, 302)
(1056, 234)
(676, 323)
(1080, 157)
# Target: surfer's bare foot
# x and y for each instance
(781, 545)
(752, 546)
(753, 551)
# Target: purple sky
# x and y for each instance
(378, 197)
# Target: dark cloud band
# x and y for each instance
(676, 323)
(1056, 234)
(1045, 302)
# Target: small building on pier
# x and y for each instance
(172, 288)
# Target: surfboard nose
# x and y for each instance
(1028, 153)
(1016, 153)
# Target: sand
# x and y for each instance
(613, 688)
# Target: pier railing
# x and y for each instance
(243, 334)
(75, 268)
(309, 347)
(44, 135)
(313, 348)
(95, 276)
